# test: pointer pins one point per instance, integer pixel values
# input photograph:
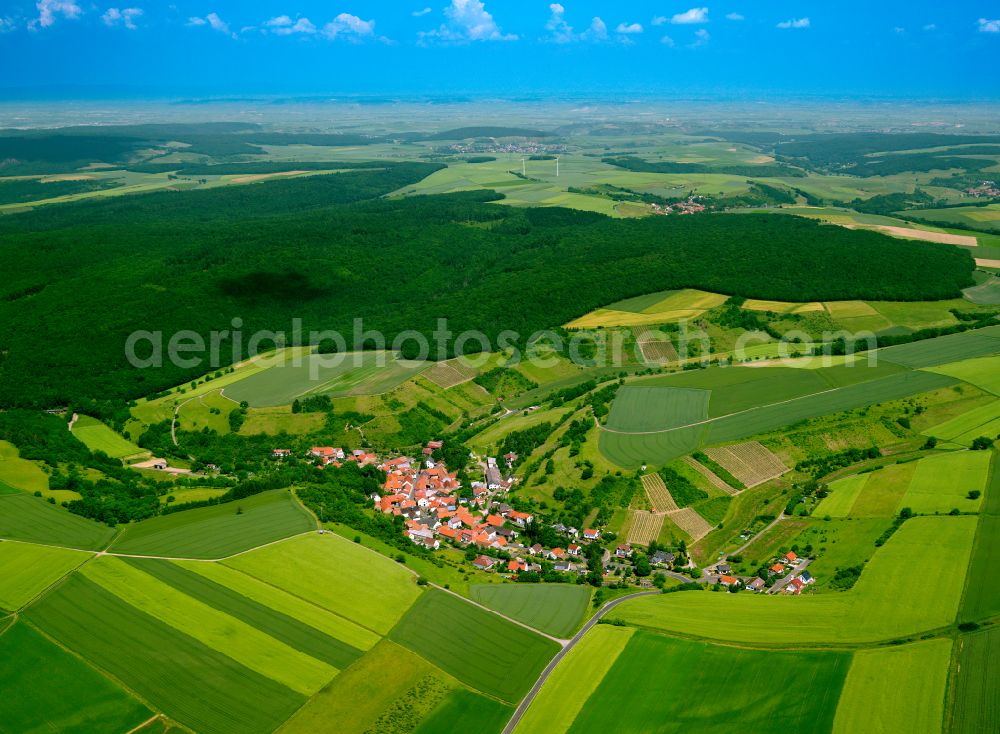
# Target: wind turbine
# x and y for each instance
(524, 168)
(557, 166)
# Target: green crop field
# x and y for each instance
(359, 697)
(843, 493)
(982, 372)
(98, 437)
(963, 429)
(637, 409)
(573, 681)
(30, 569)
(631, 450)
(34, 520)
(898, 690)
(945, 349)
(358, 373)
(464, 711)
(939, 546)
(241, 641)
(337, 575)
(975, 706)
(772, 417)
(556, 609)
(20, 473)
(202, 688)
(219, 530)
(982, 600)
(941, 483)
(884, 489)
(481, 649)
(282, 627)
(695, 686)
(46, 689)
(283, 603)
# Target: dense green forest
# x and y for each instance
(19, 190)
(639, 165)
(327, 249)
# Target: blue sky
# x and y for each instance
(916, 48)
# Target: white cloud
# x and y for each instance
(6, 25)
(562, 32)
(989, 26)
(50, 10)
(701, 37)
(420, 13)
(660, 20)
(668, 41)
(930, 27)
(214, 22)
(468, 20)
(125, 16)
(694, 15)
(899, 30)
(734, 16)
(350, 27)
(285, 26)
(629, 28)
(794, 23)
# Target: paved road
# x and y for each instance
(787, 579)
(519, 713)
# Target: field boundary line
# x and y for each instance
(561, 642)
(449, 591)
(203, 560)
(100, 671)
(522, 707)
(144, 724)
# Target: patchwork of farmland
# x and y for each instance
(939, 546)
(335, 574)
(49, 689)
(219, 530)
(556, 609)
(449, 374)
(659, 496)
(349, 373)
(756, 685)
(690, 522)
(744, 402)
(484, 651)
(750, 463)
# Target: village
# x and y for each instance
(438, 511)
